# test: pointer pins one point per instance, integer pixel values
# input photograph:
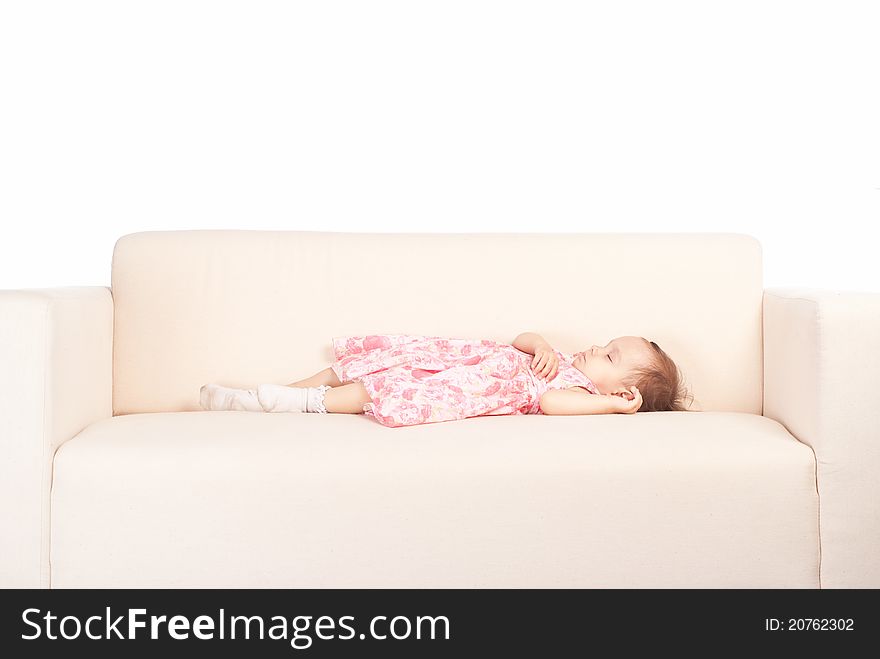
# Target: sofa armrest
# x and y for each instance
(821, 359)
(56, 373)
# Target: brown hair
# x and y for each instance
(660, 383)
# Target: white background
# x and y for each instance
(752, 117)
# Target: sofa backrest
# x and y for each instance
(244, 307)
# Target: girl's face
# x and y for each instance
(609, 365)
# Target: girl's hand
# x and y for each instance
(545, 362)
(627, 402)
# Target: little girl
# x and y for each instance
(403, 379)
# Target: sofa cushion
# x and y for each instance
(239, 499)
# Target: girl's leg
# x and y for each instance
(325, 377)
(347, 399)
(293, 397)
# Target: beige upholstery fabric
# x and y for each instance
(243, 499)
(822, 356)
(164, 494)
(244, 307)
(55, 369)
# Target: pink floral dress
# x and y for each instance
(414, 379)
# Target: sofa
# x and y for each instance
(114, 477)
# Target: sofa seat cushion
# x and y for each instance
(240, 499)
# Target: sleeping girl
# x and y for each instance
(405, 379)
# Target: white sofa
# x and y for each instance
(114, 477)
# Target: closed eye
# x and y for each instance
(609, 359)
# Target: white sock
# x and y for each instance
(315, 402)
(214, 397)
(279, 398)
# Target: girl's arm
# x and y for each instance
(566, 401)
(528, 341)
